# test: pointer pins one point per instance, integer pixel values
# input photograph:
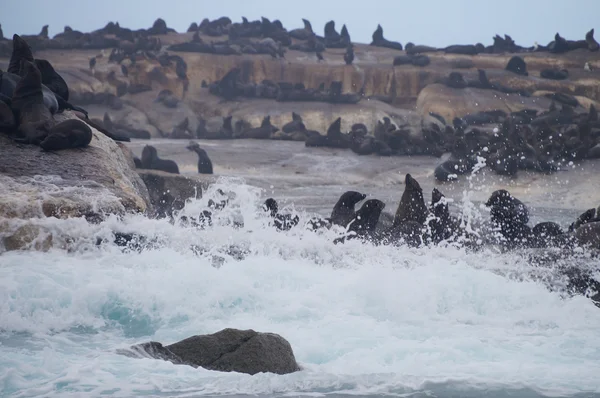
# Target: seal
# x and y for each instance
(295, 125)
(283, 222)
(53, 101)
(517, 65)
(303, 33)
(591, 42)
(547, 234)
(349, 55)
(52, 80)
(7, 118)
(510, 215)
(33, 117)
(343, 211)
(72, 133)
(442, 226)
(412, 205)
(35, 122)
(589, 235)
(167, 98)
(150, 160)
(554, 74)
(587, 216)
(380, 41)
(366, 218)
(263, 132)
(21, 51)
(204, 164)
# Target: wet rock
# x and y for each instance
(28, 237)
(589, 234)
(169, 192)
(100, 176)
(229, 350)
(451, 103)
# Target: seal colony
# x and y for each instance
(143, 63)
(31, 93)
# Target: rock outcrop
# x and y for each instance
(112, 82)
(169, 192)
(89, 182)
(451, 102)
(229, 350)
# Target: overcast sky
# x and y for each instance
(432, 22)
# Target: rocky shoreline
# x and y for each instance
(508, 118)
(222, 79)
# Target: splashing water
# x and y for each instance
(362, 320)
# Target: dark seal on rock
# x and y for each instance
(517, 65)
(21, 51)
(510, 215)
(150, 160)
(72, 133)
(343, 211)
(32, 115)
(554, 74)
(366, 218)
(52, 80)
(412, 205)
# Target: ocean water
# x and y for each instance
(362, 320)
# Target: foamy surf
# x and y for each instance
(362, 319)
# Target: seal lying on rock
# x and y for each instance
(334, 138)
(263, 132)
(380, 41)
(150, 160)
(68, 134)
(554, 74)
(517, 65)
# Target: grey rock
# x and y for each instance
(229, 350)
(169, 192)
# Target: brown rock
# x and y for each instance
(71, 182)
(450, 103)
(28, 237)
(169, 192)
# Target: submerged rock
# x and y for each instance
(28, 236)
(229, 350)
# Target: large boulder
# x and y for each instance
(229, 350)
(169, 192)
(90, 182)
